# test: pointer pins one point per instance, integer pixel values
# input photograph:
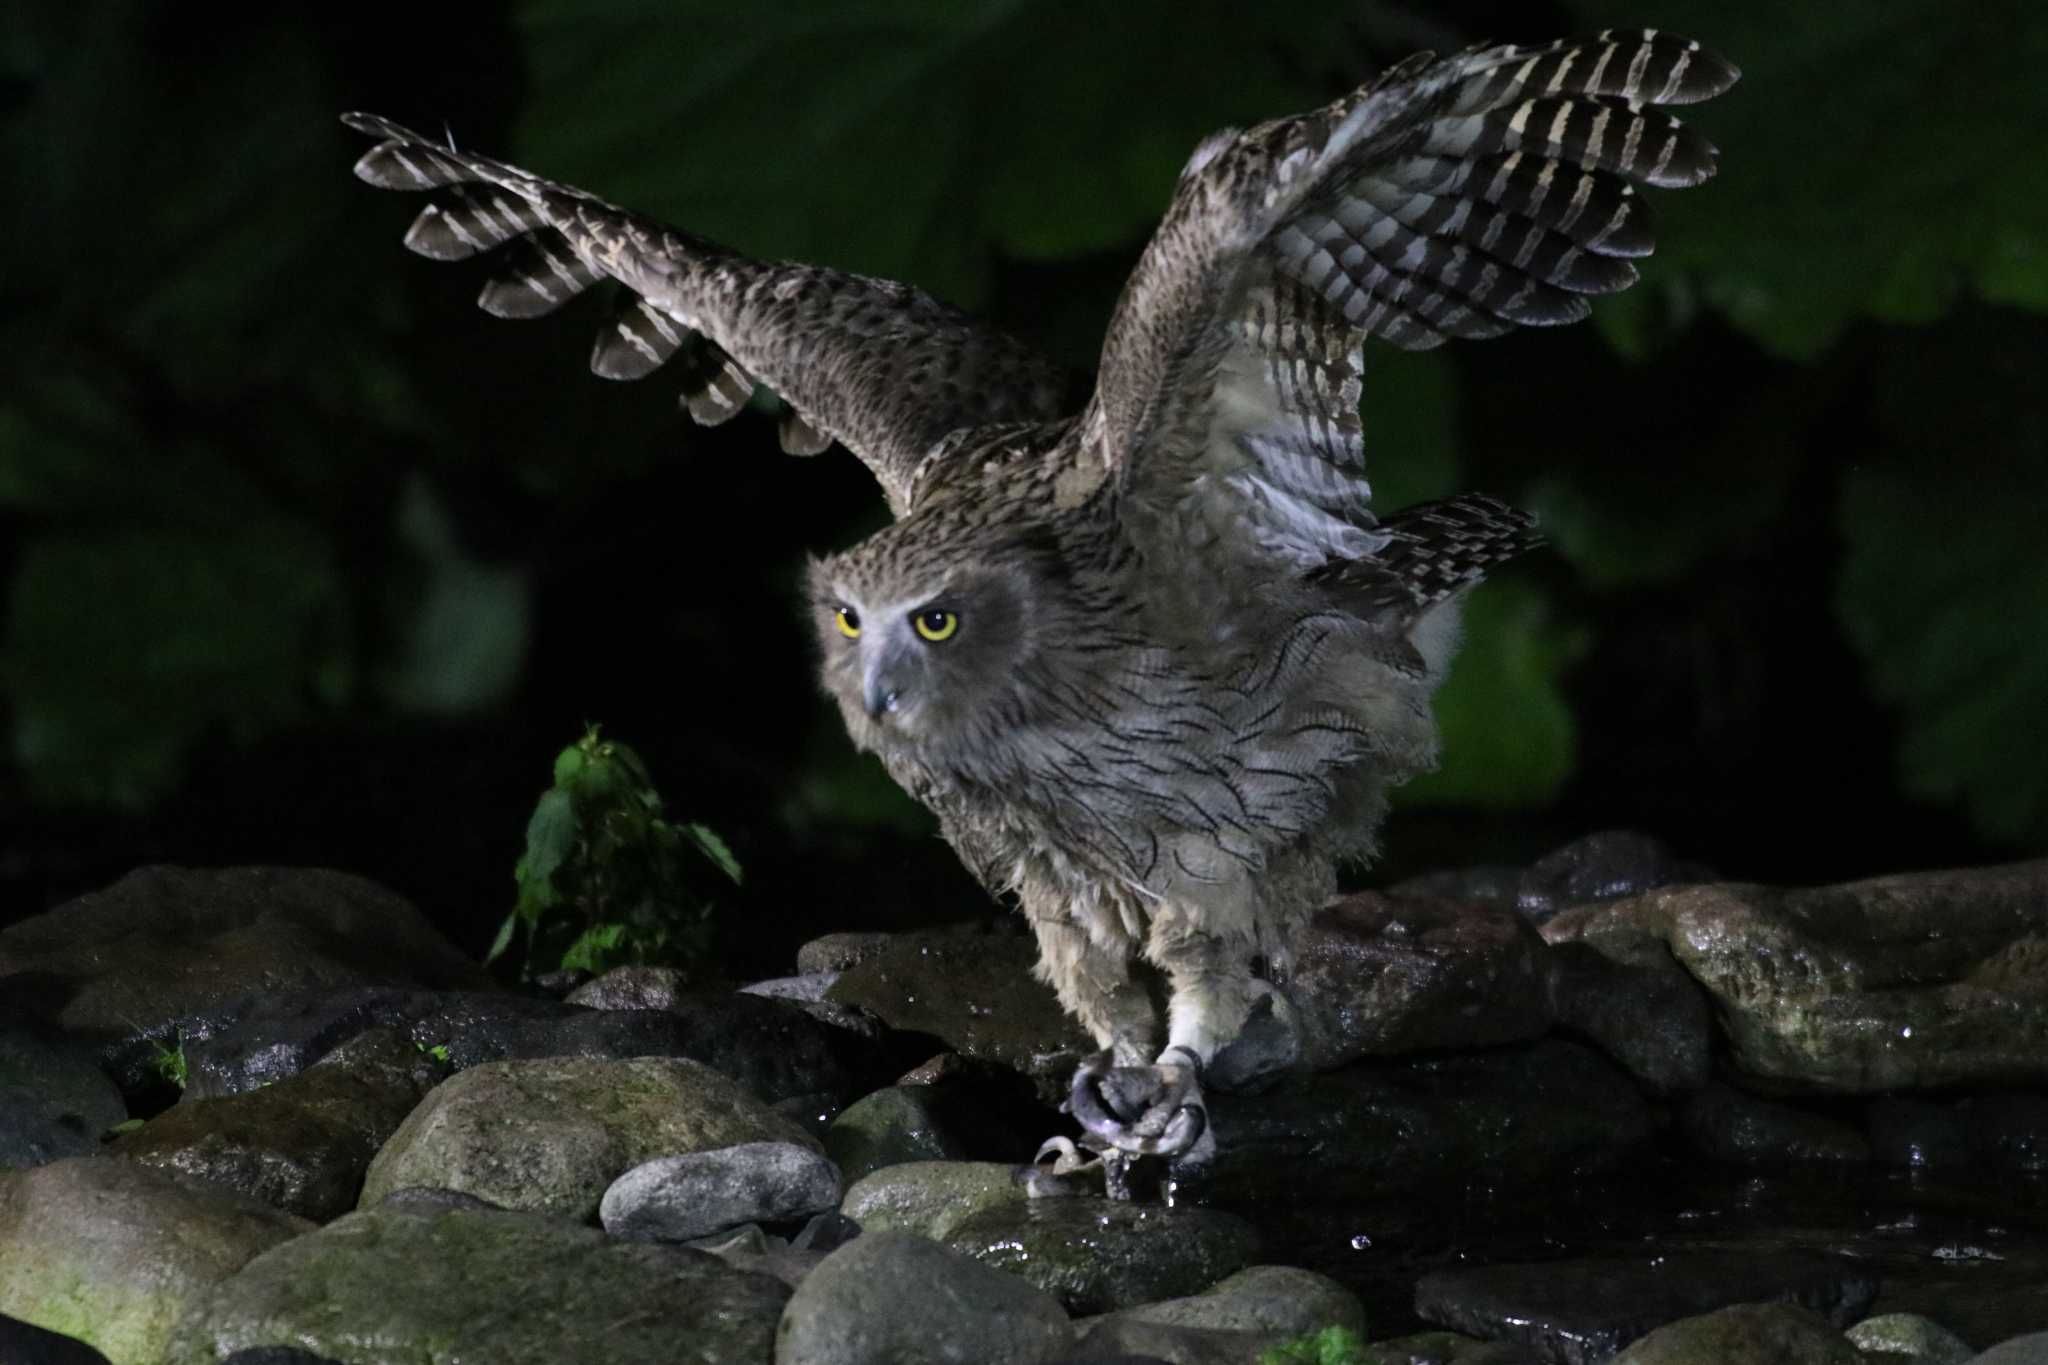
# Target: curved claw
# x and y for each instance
(1145, 1110)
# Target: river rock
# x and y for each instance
(931, 1198)
(676, 1198)
(837, 952)
(1604, 865)
(1579, 1312)
(1118, 1337)
(1914, 981)
(1626, 995)
(2031, 1349)
(1922, 1340)
(773, 1048)
(551, 1134)
(459, 1284)
(170, 951)
(1746, 1334)
(54, 1099)
(893, 1125)
(1262, 1298)
(894, 1298)
(303, 1144)
(1725, 1124)
(975, 994)
(1449, 1348)
(637, 987)
(1375, 975)
(113, 1253)
(1096, 1255)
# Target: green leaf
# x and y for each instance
(596, 949)
(1508, 735)
(551, 836)
(716, 850)
(1874, 162)
(1943, 581)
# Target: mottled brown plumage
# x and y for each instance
(1156, 664)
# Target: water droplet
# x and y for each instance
(1362, 1242)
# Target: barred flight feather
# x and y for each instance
(882, 366)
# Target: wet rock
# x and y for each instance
(1095, 1255)
(302, 1144)
(1725, 1124)
(279, 1355)
(676, 1198)
(1908, 1334)
(810, 987)
(974, 994)
(54, 1099)
(893, 1125)
(931, 1198)
(275, 1035)
(1449, 1348)
(1118, 1337)
(484, 1286)
(1628, 996)
(1375, 975)
(551, 1134)
(1524, 1113)
(1582, 1311)
(24, 1343)
(2027, 1350)
(175, 950)
(773, 1048)
(636, 988)
(1262, 1298)
(1906, 982)
(898, 1298)
(1605, 865)
(1746, 1334)
(837, 952)
(113, 1253)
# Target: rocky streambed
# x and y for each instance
(1603, 1107)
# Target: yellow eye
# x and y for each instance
(936, 625)
(848, 621)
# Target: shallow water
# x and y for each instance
(1969, 1250)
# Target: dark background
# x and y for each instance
(305, 560)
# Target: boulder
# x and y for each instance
(1914, 981)
(551, 1134)
(1095, 1255)
(894, 1298)
(113, 1253)
(464, 1284)
(676, 1198)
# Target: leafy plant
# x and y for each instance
(606, 880)
(1331, 1346)
(168, 1060)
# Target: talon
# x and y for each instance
(1143, 1110)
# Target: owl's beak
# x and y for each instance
(880, 696)
(881, 682)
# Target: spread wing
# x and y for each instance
(1454, 198)
(881, 367)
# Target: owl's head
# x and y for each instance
(922, 635)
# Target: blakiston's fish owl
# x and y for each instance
(1154, 664)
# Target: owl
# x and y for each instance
(1155, 663)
